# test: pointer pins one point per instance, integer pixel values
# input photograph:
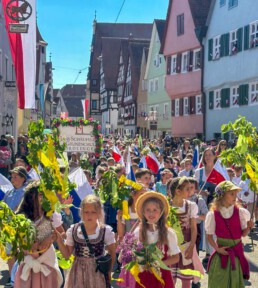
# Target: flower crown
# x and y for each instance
(222, 188)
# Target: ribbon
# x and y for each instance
(129, 182)
(125, 210)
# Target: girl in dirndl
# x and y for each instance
(83, 272)
(152, 209)
(229, 223)
(124, 226)
(187, 213)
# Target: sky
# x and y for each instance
(67, 28)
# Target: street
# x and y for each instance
(251, 256)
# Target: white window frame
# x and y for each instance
(253, 93)
(198, 104)
(176, 107)
(195, 63)
(233, 42)
(216, 47)
(186, 106)
(173, 64)
(254, 34)
(217, 99)
(234, 96)
(156, 84)
(184, 62)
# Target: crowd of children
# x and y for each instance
(206, 213)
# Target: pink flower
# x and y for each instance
(99, 127)
(90, 119)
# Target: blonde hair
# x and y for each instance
(96, 203)
(161, 224)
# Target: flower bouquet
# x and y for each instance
(16, 232)
(137, 257)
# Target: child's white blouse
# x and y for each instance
(210, 224)
(192, 209)
(108, 240)
(153, 236)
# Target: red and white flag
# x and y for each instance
(23, 50)
(116, 154)
(218, 174)
(152, 162)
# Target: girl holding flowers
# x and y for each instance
(124, 226)
(186, 213)
(83, 272)
(152, 209)
(39, 267)
(229, 223)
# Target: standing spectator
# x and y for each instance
(5, 157)
(221, 147)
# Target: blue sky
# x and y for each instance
(67, 28)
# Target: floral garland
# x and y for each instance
(43, 150)
(66, 122)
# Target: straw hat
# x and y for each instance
(147, 195)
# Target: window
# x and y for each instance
(177, 107)
(197, 59)
(217, 99)
(157, 60)
(94, 82)
(1, 63)
(156, 81)
(254, 34)
(253, 93)
(150, 85)
(186, 106)
(173, 64)
(233, 42)
(198, 104)
(222, 3)
(234, 95)
(232, 3)
(94, 104)
(165, 115)
(6, 68)
(216, 48)
(180, 24)
(184, 62)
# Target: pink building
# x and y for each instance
(185, 28)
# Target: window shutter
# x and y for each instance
(168, 65)
(192, 105)
(178, 63)
(246, 37)
(211, 99)
(243, 94)
(181, 106)
(210, 50)
(173, 107)
(201, 59)
(178, 25)
(190, 61)
(239, 39)
(222, 45)
(225, 96)
(226, 44)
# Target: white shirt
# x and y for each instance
(153, 236)
(192, 209)
(210, 224)
(246, 194)
(108, 240)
